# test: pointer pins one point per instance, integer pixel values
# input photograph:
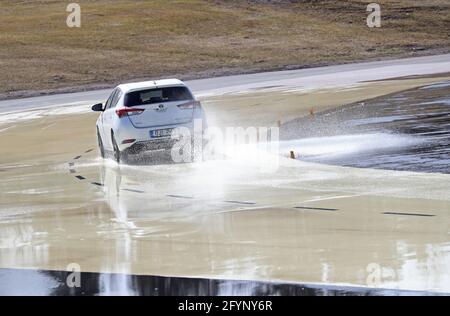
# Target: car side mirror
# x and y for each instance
(97, 107)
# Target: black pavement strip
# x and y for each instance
(317, 208)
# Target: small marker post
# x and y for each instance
(292, 154)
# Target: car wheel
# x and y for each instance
(100, 145)
(116, 149)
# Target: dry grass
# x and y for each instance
(127, 40)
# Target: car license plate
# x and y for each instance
(167, 132)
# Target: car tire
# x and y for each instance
(100, 145)
(117, 153)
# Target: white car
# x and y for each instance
(140, 117)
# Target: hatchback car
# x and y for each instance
(141, 117)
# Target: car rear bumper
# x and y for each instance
(150, 145)
(142, 141)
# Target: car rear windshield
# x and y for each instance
(157, 95)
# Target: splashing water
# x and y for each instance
(345, 145)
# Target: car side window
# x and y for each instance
(110, 99)
(116, 98)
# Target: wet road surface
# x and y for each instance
(408, 130)
(53, 283)
(322, 226)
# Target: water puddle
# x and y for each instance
(409, 130)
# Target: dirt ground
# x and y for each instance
(132, 40)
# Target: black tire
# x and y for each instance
(117, 154)
(100, 145)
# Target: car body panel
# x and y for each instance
(161, 114)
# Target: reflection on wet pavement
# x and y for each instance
(409, 130)
(302, 225)
(305, 223)
(54, 283)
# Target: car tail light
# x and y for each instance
(189, 105)
(128, 112)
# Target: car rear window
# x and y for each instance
(157, 95)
